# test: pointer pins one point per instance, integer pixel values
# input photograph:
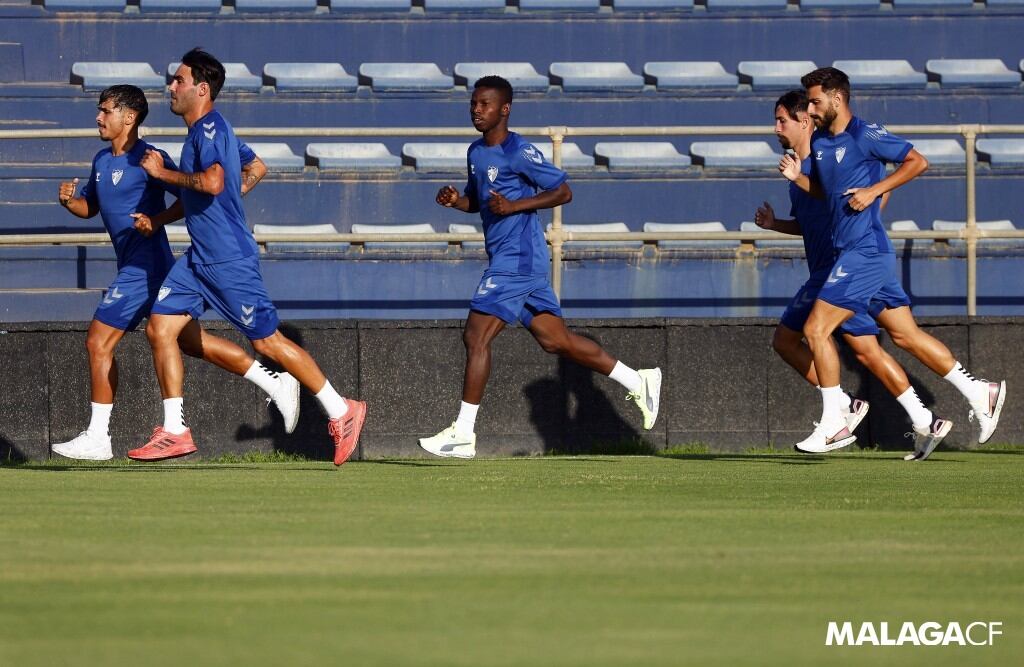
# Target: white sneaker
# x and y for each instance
(86, 447)
(856, 413)
(927, 439)
(649, 396)
(825, 439)
(988, 411)
(286, 398)
(450, 443)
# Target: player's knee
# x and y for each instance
(781, 343)
(158, 332)
(554, 344)
(816, 332)
(265, 347)
(97, 347)
(474, 341)
(901, 340)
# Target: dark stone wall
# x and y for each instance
(724, 387)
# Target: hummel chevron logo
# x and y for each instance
(248, 310)
(209, 126)
(837, 275)
(112, 295)
(247, 316)
(210, 134)
(486, 286)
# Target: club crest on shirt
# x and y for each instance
(162, 294)
(116, 175)
(840, 152)
(532, 154)
(492, 173)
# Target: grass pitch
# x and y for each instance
(698, 559)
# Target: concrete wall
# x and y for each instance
(723, 387)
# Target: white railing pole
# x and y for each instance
(971, 136)
(556, 236)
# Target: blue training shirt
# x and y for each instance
(815, 219)
(216, 223)
(855, 158)
(118, 187)
(516, 170)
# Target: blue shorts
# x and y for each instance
(234, 289)
(512, 297)
(864, 283)
(128, 299)
(799, 309)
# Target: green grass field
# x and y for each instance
(693, 559)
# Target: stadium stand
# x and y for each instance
(629, 155)
(976, 73)
(464, 5)
(595, 77)
(573, 158)
(404, 77)
(522, 76)
(646, 5)
(421, 228)
(991, 225)
(681, 75)
(180, 6)
(237, 77)
(282, 246)
(370, 5)
(773, 74)
(560, 5)
(734, 154)
(904, 226)
(1002, 152)
(278, 156)
(784, 241)
(607, 227)
(760, 5)
(308, 77)
(353, 156)
(941, 152)
(461, 228)
(275, 5)
(944, 4)
(689, 227)
(839, 4)
(436, 156)
(86, 5)
(882, 73)
(97, 76)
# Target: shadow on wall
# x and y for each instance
(9, 453)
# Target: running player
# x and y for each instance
(221, 269)
(505, 175)
(133, 210)
(847, 158)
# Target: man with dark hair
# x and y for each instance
(221, 270)
(847, 171)
(505, 174)
(132, 207)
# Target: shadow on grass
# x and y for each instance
(411, 462)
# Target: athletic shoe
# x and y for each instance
(286, 398)
(163, 445)
(86, 447)
(988, 413)
(856, 413)
(449, 443)
(825, 439)
(649, 396)
(345, 430)
(927, 439)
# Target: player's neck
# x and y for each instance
(496, 135)
(803, 149)
(124, 143)
(841, 122)
(191, 117)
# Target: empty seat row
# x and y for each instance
(615, 155)
(570, 76)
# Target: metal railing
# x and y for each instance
(557, 236)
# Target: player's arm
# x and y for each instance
(765, 219)
(913, 166)
(885, 201)
(449, 197)
(499, 205)
(209, 181)
(252, 173)
(789, 165)
(148, 226)
(82, 207)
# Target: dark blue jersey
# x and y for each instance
(815, 219)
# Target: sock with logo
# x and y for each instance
(920, 416)
(263, 377)
(174, 415)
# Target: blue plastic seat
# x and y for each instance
(759, 5)
(682, 75)
(942, 152)
(353, 156)
(595, 77)
(422, 228)
(370, 5)
(405, 77)
(572, 157)
(237, 77)
(464, 5)
(172, 148)
(184, 6)
(522, 76)
(301, 230)
(774, 74)
(319, 77)
(99, 75)
(980, 73)
(734, 154)
(559, 5)
(674, 227)
(882, 74)
(942, 4)
(992, 225)
(610, 227)
(628, 5)
(85, 5)
(278, 156)
(904, 226)
(1002, 152)
(275, 6)
(462, 228)
(436, 156)
(783, 240)
(640, 155)
(839, 4)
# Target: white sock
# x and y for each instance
(99, 424)
(973, 390)
(920, 416)
(847, 399)
(832, 404)
(334, 405)
(263, 377)
(466, 421)
(627, 377)
(174, 415)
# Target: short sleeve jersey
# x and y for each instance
(118, 187)
(855, 158)
(516, 169)
(216, 223)
(815, 220)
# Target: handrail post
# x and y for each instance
(556, 217)
(971, 136)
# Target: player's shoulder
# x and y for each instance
(863, 129)
(527, 151)
(473, 146)
(102, 154)
(211, 126)
(146, 146)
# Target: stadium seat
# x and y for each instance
(183, 6)
(559, 5)
(904, 226)
(784, 240)
(304, 230)
(522, 76)
(319, 77)
(734, 154)
(612, 227)
(683, 75)
(98, 75)
(464, 5)
(85, 5)
(633, 155)
(178, 228)
(983, 73)
(237, 77)
(404, 77)
(595, 77)
(572, 157)
(353, 156)
(172, 148)
(462, 228)
(882, 74)
(422, 228)
(992, 226)
(1002, 152)
(436, 156)
(661, 5)
(370, 5)
(275, 5)
(689, 227)
(278, 157)
(839, 4)
(941, 152)
(772, 74)
(941, 4)
(759, 5)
